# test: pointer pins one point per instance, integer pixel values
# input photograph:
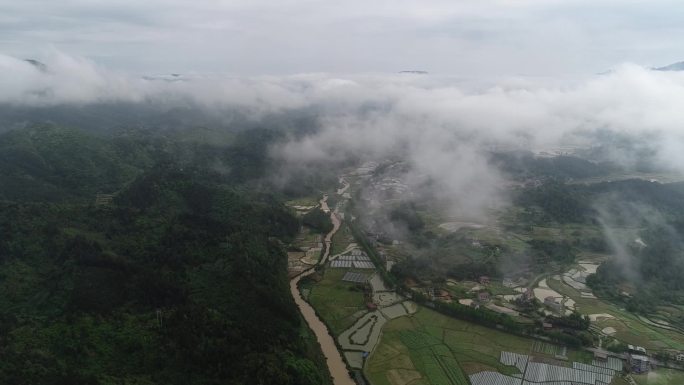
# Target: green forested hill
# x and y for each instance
(180, 280)
(642, 225)
(48, 163)
(522, 164)
(564, 203)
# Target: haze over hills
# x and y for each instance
(146, 246)
(259, 192)
(142, 215)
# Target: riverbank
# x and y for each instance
(336, 366)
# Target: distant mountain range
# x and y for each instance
(679, 66)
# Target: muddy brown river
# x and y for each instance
(336, 366)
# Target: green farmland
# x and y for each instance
(629, 328)
(429, 348)
(337, 301)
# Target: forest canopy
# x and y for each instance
(149, 285)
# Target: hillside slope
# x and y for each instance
(181, 279)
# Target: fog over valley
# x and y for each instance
(304, 192)
(444, 127)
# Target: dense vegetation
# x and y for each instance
(558, 202)
(525, 165)
(643, 274)
(181, 279)
(318, 220)
(647, 275)
(45, 163)
(407, 214)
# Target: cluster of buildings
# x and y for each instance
(637, 360)
(484, 295)
(439, 294)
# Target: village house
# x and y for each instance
(679, 357)
(528, 295)
(484, 280)
(430, 292)
(442, 295)
(483, 296)
(637, 360)
(634, 349)
(638, 363)
(553, 304)
(601, 355)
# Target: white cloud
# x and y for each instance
(483, 38)
(442, 125)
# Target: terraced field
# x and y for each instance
(628, 327)
(429, 348)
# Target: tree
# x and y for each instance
(318, 220)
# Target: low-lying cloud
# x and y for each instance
(443, 127)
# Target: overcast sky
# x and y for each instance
(470, 38)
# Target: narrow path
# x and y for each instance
(324, 204)
(336, 365)
(343, 189)
(328, 238)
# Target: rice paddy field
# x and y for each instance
(628, 327)
(337, 301)
(341, 240)
(429, 348)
